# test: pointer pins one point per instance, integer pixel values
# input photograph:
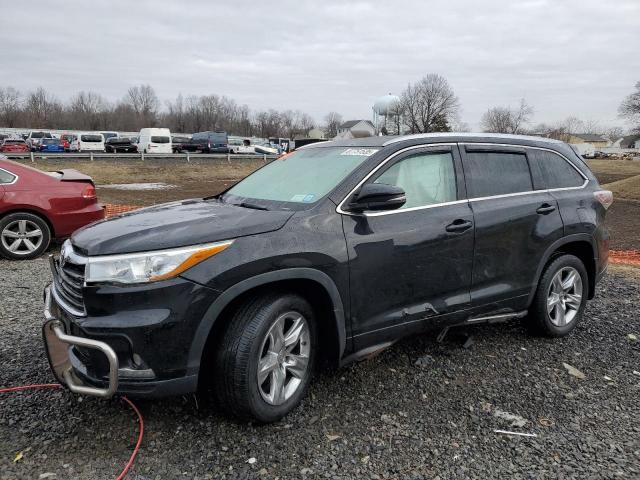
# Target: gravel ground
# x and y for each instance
(383, 418)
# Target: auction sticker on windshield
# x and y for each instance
(360, 151)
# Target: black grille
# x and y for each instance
(68, 281)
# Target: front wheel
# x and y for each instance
(560, 298)
(266, 357)
(23, 236)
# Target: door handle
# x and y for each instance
(545, 208)
(458, 226)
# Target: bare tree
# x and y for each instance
(42, 109)
(145, 103)
(429, 105)
(86, 109)
(630, 108)
(10, 105)
(507, 119)
(332, 122)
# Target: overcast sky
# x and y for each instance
(578, 57)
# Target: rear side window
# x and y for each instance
(6, 177)
(496, 173)
(426, 178)
(550, 170)
(91, 138)
(159, 139)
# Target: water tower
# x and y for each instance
(386, 113)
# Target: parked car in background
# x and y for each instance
(86, 142)
(37, 207)
(35, 137)
(14, 145)
(66, 139)
(177, 143)
(394, 236)
(108, 135)
(120, 145)
(51, 145)
(154, 140)
(210, 142)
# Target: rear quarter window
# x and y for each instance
(496, 173)
(6, 177)
(550, 170)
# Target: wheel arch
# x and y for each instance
(33, 211)
(315, 286)
(579, 245)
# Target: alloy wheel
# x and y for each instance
(564, 297)
(284, 358)
(21, 237)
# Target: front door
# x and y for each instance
(414, 263)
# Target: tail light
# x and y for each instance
(605, 197)
(89, 192)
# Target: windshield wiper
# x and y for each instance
(251, 205)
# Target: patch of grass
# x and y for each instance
(629, 188)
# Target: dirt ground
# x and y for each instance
(200, 178)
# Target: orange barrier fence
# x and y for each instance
(110, 209)
(629, 257)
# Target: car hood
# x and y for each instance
(175, 224)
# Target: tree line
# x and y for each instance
(428, 105)
(141, 108)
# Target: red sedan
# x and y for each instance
(37, 206)
(14, 146)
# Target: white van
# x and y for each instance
(86, 142)
(155, 140)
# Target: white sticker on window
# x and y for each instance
(360, 151)
(298, 198)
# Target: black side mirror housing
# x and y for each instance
(378, 197)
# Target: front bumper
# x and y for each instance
(58, 343)
(132, 349)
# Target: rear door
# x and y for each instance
(413, 264)
(515, 224)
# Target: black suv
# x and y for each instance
(328, 254)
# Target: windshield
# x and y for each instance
(40, 135)
(304, 176)
(91, 138)
(155, 139)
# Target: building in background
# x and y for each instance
(598, 141)
(356, 129)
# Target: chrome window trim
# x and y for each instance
(468, 200)
(378, 167)
(15, 177)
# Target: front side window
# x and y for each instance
(302, 177)
(496, 173)
(6, 177)
(550, 170)
(426, 178)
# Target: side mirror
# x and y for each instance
(378, 196)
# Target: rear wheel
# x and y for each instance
(560, 298)
(23, 236)
(266, 357)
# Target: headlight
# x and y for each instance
(149, 266)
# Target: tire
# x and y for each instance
(30, 244)
(252, 339)
(556, 308)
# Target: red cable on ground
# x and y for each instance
(122, 474)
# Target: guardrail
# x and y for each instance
(91, 156)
